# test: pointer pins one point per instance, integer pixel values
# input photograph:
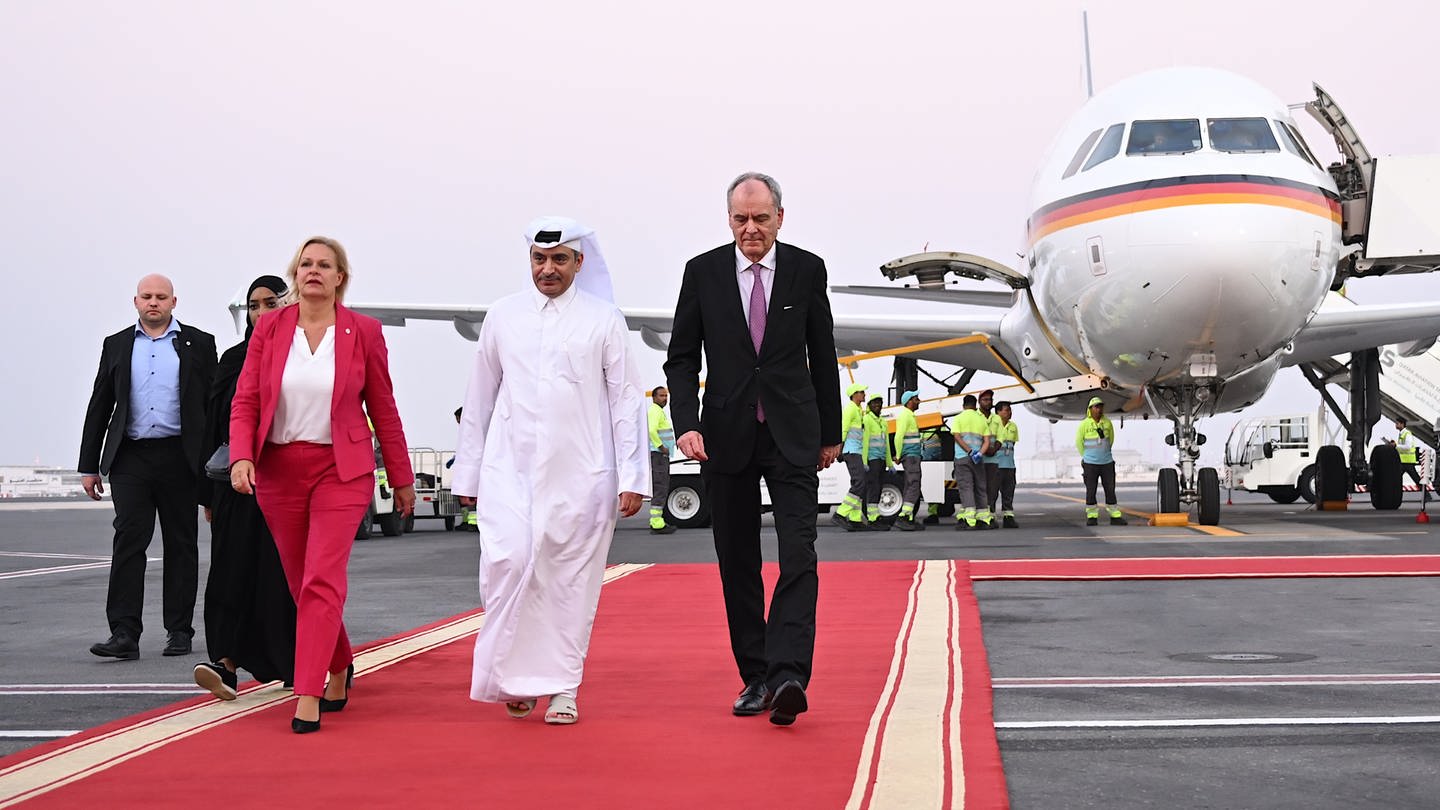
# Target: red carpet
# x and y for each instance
(655, 729)
(1399, 565)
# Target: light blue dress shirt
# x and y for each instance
(154, 385)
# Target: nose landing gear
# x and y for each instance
(1183, 486)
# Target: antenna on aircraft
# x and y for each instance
(1085, 27)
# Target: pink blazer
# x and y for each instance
(362, 383)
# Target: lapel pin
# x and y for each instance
(347, 330)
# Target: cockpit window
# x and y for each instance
(1300, 139)
(1288, 142)
(1080, 154)
(1109, 146)
(1241, 135)
(1164, 137)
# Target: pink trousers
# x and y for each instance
(313, 516)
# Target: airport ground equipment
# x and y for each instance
(381, 511)
(433, 498)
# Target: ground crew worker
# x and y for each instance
(969, 428)
(1405, 444)
(1007, 434)
(852, 429)
(878, 461)
(1095, 439)
(469, 519)
(992, 463)
(907, 432)
(662, 447)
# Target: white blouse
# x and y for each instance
(306, 389)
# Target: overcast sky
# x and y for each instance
(206, 142)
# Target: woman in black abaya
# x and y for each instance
(249, 613)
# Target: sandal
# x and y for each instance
(562, 711)
(519, 708)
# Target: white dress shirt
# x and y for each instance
(746, 280)
(306, 389)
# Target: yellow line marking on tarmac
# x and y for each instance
(71, 763)
(1216, 531)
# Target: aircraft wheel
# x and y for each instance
(685, 505)
(1306, 485)
(1209, 484)
(1168, 490)
(1332, 477)
(1283, 494)
(1386, 478)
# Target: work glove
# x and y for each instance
(976, 457)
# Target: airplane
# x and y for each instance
(1181, 241)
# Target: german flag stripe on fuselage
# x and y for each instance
(1211, 189)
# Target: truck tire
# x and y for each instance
(1332, 476)
(1283, 494)
(1387, 479)
(391, 525)
(686, 505)
(1306, 484)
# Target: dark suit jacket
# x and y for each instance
(362, 385)
(795, 373)
(109, 410)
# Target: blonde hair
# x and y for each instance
(342, 264)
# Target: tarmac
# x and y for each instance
(1233, 693)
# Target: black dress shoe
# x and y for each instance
(220, 681)
(788, 702)
(753, 700)
(304, 726)
(177, 644)
(328, 705)
(119, 646)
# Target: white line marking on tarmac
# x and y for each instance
(36, 734)
(53, 556)
(7, 690)
(1081, 682)
(1225, 722)
(59, 569)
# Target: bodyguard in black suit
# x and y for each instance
(772, 409)
(145, 429)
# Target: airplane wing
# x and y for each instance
(1348, 327)
(853, 333)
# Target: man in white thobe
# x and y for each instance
(552, 431)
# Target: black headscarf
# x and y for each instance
(274, 284)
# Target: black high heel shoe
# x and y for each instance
(328, 705)
(304, 726)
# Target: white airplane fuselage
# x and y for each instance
(1179, 265)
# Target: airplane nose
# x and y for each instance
(1237, 281)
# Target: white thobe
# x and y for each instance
(553, 430)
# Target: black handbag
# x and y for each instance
(218, 467)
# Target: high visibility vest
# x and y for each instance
(1007, 435)
(852, 427)
(992, 425)
(971, 427)
(1095, 439)
(909, 432)
(662, 435)
(1405, 443)
(877, 439)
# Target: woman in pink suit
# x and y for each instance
(299, 440)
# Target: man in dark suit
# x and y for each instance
(145, 428)
(760, 312)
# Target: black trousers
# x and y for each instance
(1104, 474)
(782, 647)
(150, 478)
(1409, 469)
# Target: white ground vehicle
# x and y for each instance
(433, 499)
(1275, 455)
(382, 511)
(687, 507)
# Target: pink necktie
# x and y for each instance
(757, 323)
